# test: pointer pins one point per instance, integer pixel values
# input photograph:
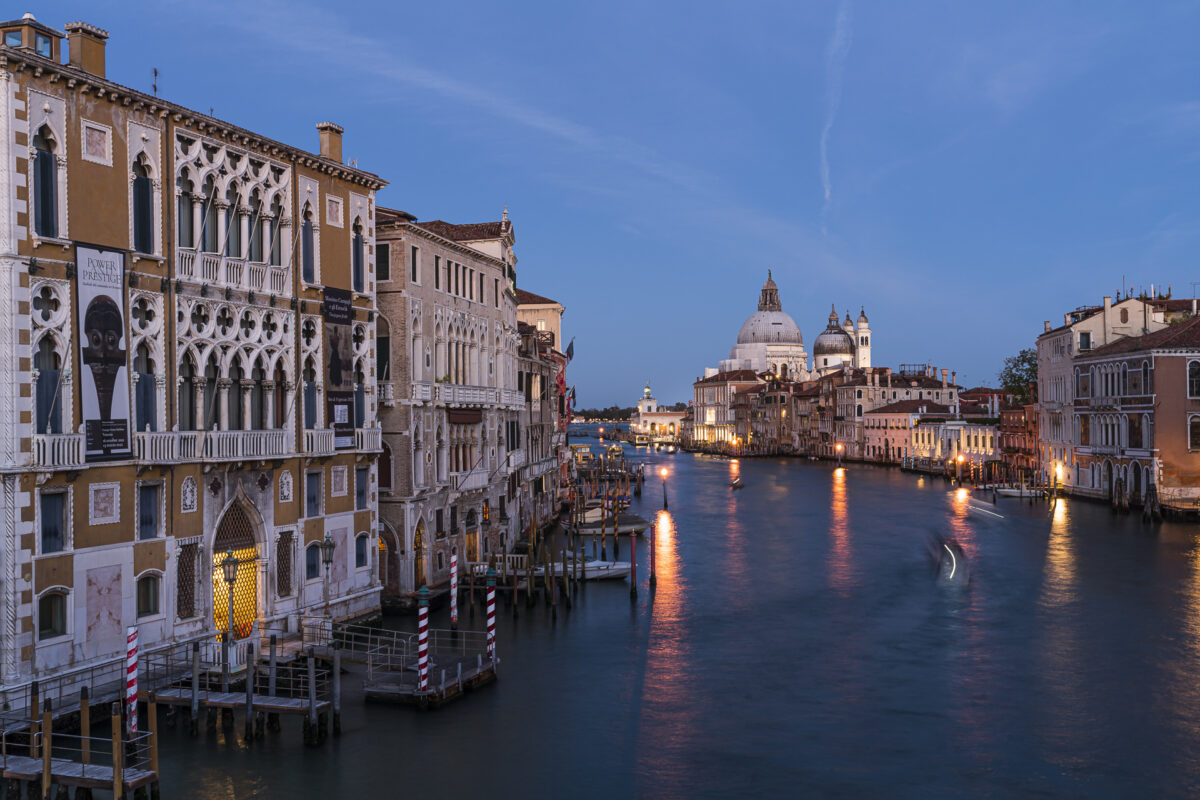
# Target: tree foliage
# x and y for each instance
(1019, 372)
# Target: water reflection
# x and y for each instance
(839, 555)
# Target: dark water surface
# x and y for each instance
(798, 643)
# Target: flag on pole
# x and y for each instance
(571, 349)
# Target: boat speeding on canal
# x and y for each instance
(736, 483)
(1019, 491)
(950, 562)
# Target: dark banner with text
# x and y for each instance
(104, 382)
(339, 371)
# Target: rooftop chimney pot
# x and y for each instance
(85, 47)
(331, 140)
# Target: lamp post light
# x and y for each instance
(663, 473)
(838, 447)
(229, 568)
(958, 462)
(327, 557)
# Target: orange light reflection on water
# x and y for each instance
(839, 556)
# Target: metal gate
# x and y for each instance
(235, 533)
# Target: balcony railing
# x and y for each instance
(157, 447)
(542, 467)
(511, 397)
(387, 393)
(319, 442)
(516, 459)
(422, 392)
(218, 270)
(58, 450)
(368, 440)
(474, 479)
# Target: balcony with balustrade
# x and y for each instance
(318, 442)
(58, 450)
(173, 447)
(422, 392)
(217, 270)
(387, 393)
(369, 440)
(470, 480)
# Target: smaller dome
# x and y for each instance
(862, 317)
(833, 342)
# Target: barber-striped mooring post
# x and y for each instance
(454, 589)
(491, 613)
(423, 639)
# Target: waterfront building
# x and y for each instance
(713, 406)
(1084, 329)
(888, 431)
(849, 393)
(541, 484)
(1137, 418)
(940, 437)
(1018, 431)
(188, 367)
(453, 395)
(650, 420)
(838, 347)
(542, 313)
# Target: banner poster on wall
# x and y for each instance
(104, 373)
(339, 367)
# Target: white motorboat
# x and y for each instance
(1019, 492)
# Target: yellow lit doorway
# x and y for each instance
(235, 533)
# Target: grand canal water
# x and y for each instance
(799, 643)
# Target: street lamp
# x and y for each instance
(229, 568)
(663, 473)
(839, 449)
(958, 462)
(327, 558)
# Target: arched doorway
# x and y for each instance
(235, 534)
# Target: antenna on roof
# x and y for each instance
(154, 83)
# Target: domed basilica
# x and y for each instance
(770, 341)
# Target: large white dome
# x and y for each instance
(770, 327)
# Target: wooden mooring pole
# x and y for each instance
(47, 747)
(311, 733)
(337, 689)
(117, 784)
(248, 727)
(85, 725)
(272, 683)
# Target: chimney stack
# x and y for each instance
(1046, 325)
(331, 140)
(953, 378)
(85, 47)
(944, 372)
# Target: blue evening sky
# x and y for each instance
(962, 170)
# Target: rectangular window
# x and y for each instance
(148, 508)
(312, 494)
(185, 582)
(54, 522)
(308, 262)
(383, 262)
(283, 564)
(496, 291)
(471, 283)
(414, 264)
(52, 615)
(43, 45)
(312, 561)
(437, 272)
(481, 287)
(357, 256)
(1085, 340)
(12, 38)
(361, 475)
(439, 523)
(383, 357)
(147, 596)
(360, 550)
(447, 272)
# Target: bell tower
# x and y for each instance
(769, 299)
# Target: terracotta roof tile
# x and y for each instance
(911, 407)
(470, 232)
(525, 298)
(1182, 335)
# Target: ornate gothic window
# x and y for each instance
(45, 183)
(143, 207)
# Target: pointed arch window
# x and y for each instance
(49, 390)
(187, 396)
(145, 394)
(358, 256)
(308, 257)
(276, 246)
(256, 248)
(234, 415)
(233, 223)
(186, 210)
(208, 219)
(143, 208)
(45, 183)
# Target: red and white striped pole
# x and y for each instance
(131, 670)
(423, 639)
(491, 613)
(454, 589)
(633, 565)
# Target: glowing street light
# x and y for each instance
(663, 473)
(958, 468)
(229, 568)
(838, 447)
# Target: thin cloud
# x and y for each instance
(835, 67)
